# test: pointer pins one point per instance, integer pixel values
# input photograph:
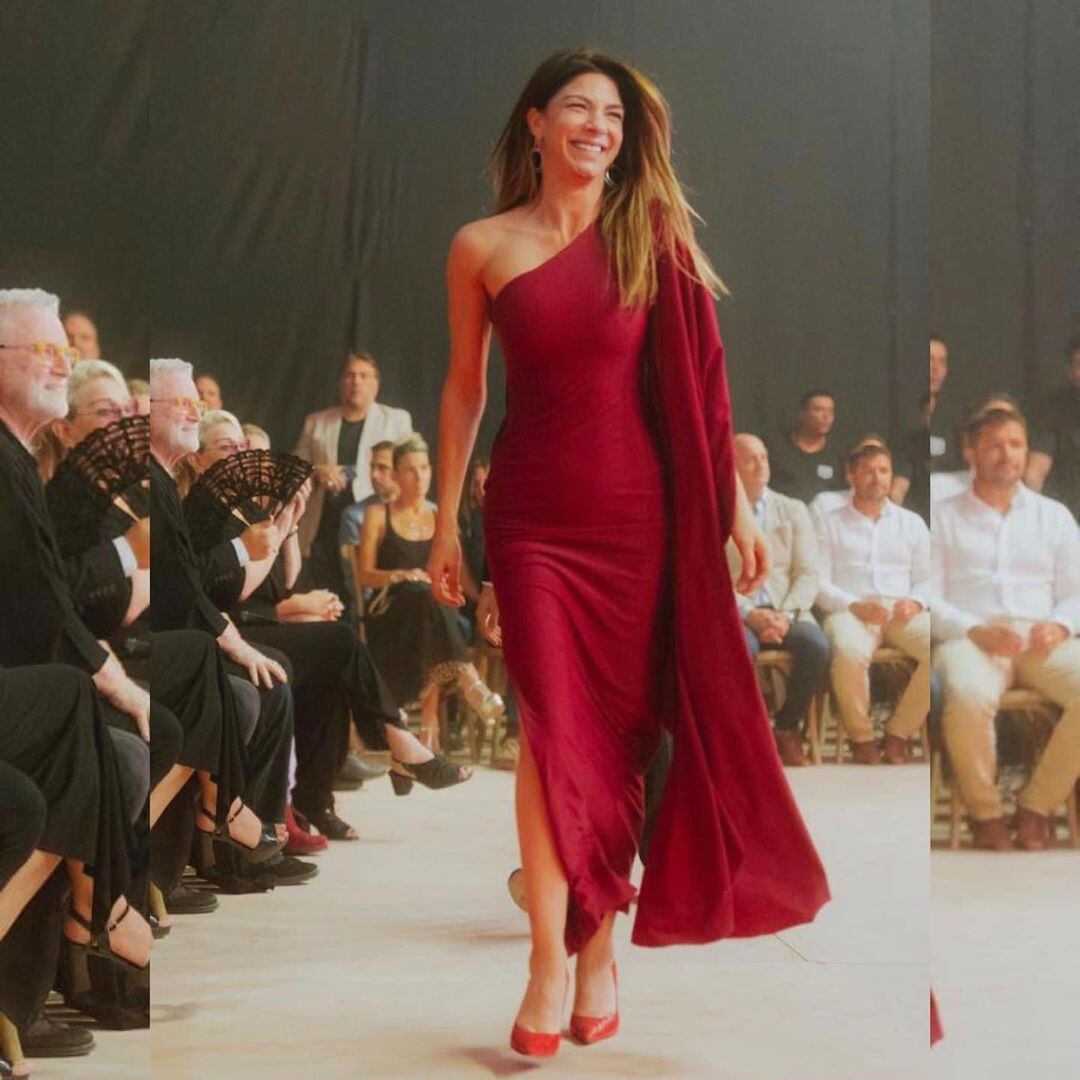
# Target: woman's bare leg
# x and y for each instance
(246, 826)
(131, 939)
(429, 716)
(594, 987)
(23, 885)
(548, 892)
(167, 789)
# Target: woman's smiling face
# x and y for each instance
(581, 128)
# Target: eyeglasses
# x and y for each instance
(182, 403)
(111, 413)
(228, 446)
(47, 348)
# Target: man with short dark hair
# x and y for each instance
(338, 441)
(82, 335)
(874, 585)
(384, 489)
(803, 461)
(1054, 462)
(1006, 594)
(209, 391)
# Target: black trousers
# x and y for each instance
(188, 676)
(22, 820)
(267, 773)
(333, 676)
(53, 731)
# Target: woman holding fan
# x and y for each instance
(332, 671)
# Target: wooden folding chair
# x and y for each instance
(781, 663)
(1041, 713)
(900, 663)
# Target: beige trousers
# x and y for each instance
(974, 682)
(853, 643)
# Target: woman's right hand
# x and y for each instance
(487, 616)
(444, 569)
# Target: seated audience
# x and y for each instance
(209, 391)
(416, 642)
(338, 441)
(140, 394)
(874, 579)
(1006, 585)
(911, 477)
(803, 460)
(332, 672)
(40, 625)
(181, 601)
(946, 423)
(779, 617)
(1054, 462)
(82, 335)
(824, 501)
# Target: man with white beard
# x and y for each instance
(179, 600)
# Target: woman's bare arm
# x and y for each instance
(463, 399)
(367, 576)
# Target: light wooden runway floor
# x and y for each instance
(405, 958)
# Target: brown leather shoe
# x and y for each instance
(866, 753)
(1032, 829)
(992, 835)
(789, 746)
(896, 751)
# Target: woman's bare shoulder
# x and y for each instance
(476, 242)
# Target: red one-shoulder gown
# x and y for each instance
(587, 510)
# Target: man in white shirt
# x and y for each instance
(778, 617)
(874, 578)
(1006, 587)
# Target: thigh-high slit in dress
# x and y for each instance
(579, 520)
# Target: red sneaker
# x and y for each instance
(300, 841)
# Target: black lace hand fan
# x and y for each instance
(84, 491)
(268, 478)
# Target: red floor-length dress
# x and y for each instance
(582, 549)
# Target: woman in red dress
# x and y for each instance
(611, 493)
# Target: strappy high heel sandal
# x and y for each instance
(488, 705)
(436, 773)
(268, 844)
(328, 823)
(99, 944)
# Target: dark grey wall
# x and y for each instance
(253, 185)
(1006, 189)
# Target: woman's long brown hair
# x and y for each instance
(644, 213)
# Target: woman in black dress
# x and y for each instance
(194, 725)
(333, 675)
(52, 732)
(416, 642)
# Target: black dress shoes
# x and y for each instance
(46, 1038)
(184, 900)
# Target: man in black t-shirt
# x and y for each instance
(803, 461)
(947, 419)
(1054, 462)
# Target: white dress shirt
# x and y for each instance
(993, 567)
(861, 557)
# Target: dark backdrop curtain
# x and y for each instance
(1006, 190)
(256, 184)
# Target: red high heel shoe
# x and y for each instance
(537, 1043)
(592, 1029)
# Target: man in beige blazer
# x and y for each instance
(778, 617)
(338, 441)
